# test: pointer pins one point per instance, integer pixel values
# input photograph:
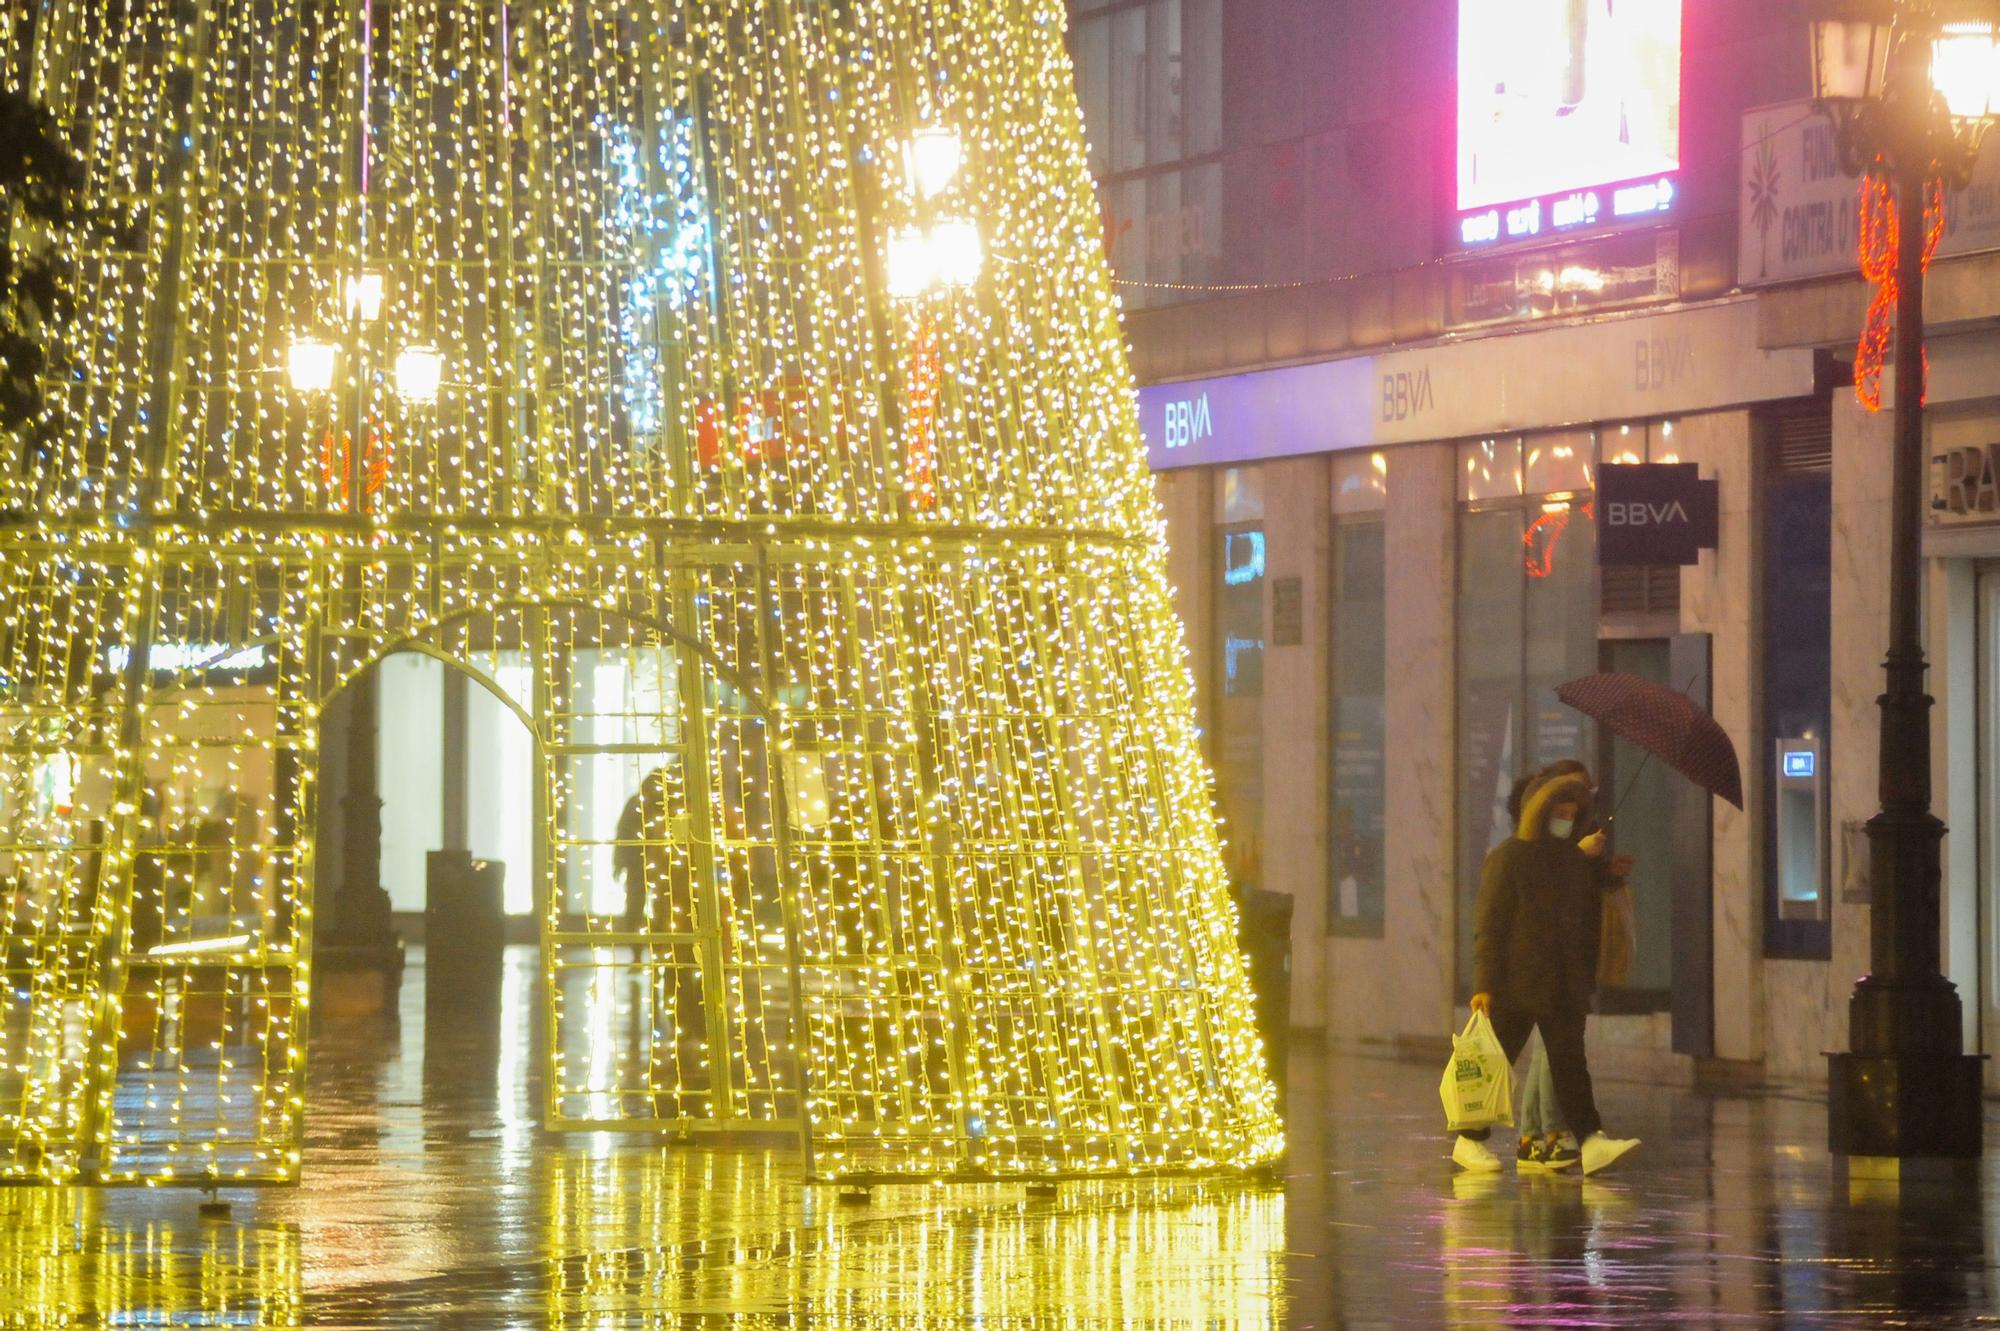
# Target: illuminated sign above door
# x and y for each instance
(1569, 116)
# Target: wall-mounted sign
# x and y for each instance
(1799, 214)
(1654, 513)
(171, 656)
(1569, 116)
(1965, 484)
(1700, 359)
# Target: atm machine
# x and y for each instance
(1802, 831)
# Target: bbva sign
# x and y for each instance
(1188, 421)
(1658, 513)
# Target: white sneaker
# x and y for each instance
(1474, 1157)
(1601, 1152)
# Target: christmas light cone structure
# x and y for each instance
(859, 591)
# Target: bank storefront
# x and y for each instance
(1387, 564)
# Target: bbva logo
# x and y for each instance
(1406, 393)
(1189, 421)
(1633, 513)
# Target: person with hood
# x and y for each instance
(1546, 1142)
(1535, 941)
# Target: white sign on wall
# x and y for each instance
(1698, 359)
(1799, 215)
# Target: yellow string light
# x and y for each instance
(874, 584)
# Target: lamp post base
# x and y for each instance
(1905, 1106)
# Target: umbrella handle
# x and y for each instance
(1629, 786)
(1633, 783)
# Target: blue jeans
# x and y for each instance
(1541, 1114)
(1569, 1066)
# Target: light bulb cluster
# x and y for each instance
(313, 361)
(942, 252)
(855, 604)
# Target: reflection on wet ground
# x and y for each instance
(432, 1198)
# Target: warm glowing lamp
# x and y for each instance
(935, 156)
(364, 296)
(310, 364)
(1965, 67)
(956, 253)
(1850, 49)
(909, 261)
(419, 371)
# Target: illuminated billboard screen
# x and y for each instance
(1569, 114)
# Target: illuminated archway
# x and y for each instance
(709, 373)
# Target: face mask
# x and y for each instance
(1560, 828)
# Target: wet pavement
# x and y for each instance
(432, 1199)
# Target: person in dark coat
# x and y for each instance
(1546, 1144)
(1535, 940)
(651, 859)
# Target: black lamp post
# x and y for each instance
(1912, 89)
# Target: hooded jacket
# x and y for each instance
(1537, 922)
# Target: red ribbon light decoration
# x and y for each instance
(335, 448)
(926, 382)
(1880, 234)
(1546, 532)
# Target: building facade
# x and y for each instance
(1392, 328)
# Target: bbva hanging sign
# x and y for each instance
(1655, 513)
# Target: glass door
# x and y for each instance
(1638, 797)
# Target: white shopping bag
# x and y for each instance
(1478, 1085)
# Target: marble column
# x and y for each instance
(1405, 989)
(1297, 528)
(1861, 483)
(1718, 598)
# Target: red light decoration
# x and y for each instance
(335, 448)
(769, 426)
(755, 429)
(1545, 533)
(926, 381)
(1880, 234)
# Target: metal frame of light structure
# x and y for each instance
(988, 685)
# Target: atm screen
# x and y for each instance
(1801, 765)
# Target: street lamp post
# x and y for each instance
(1911, 90)
(314, 361)
(359, 922)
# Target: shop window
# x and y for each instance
(1238, 668)
(1527, 623)
(1149, 76)
(1490, 469)
(1797, 633)
(1358, 820)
